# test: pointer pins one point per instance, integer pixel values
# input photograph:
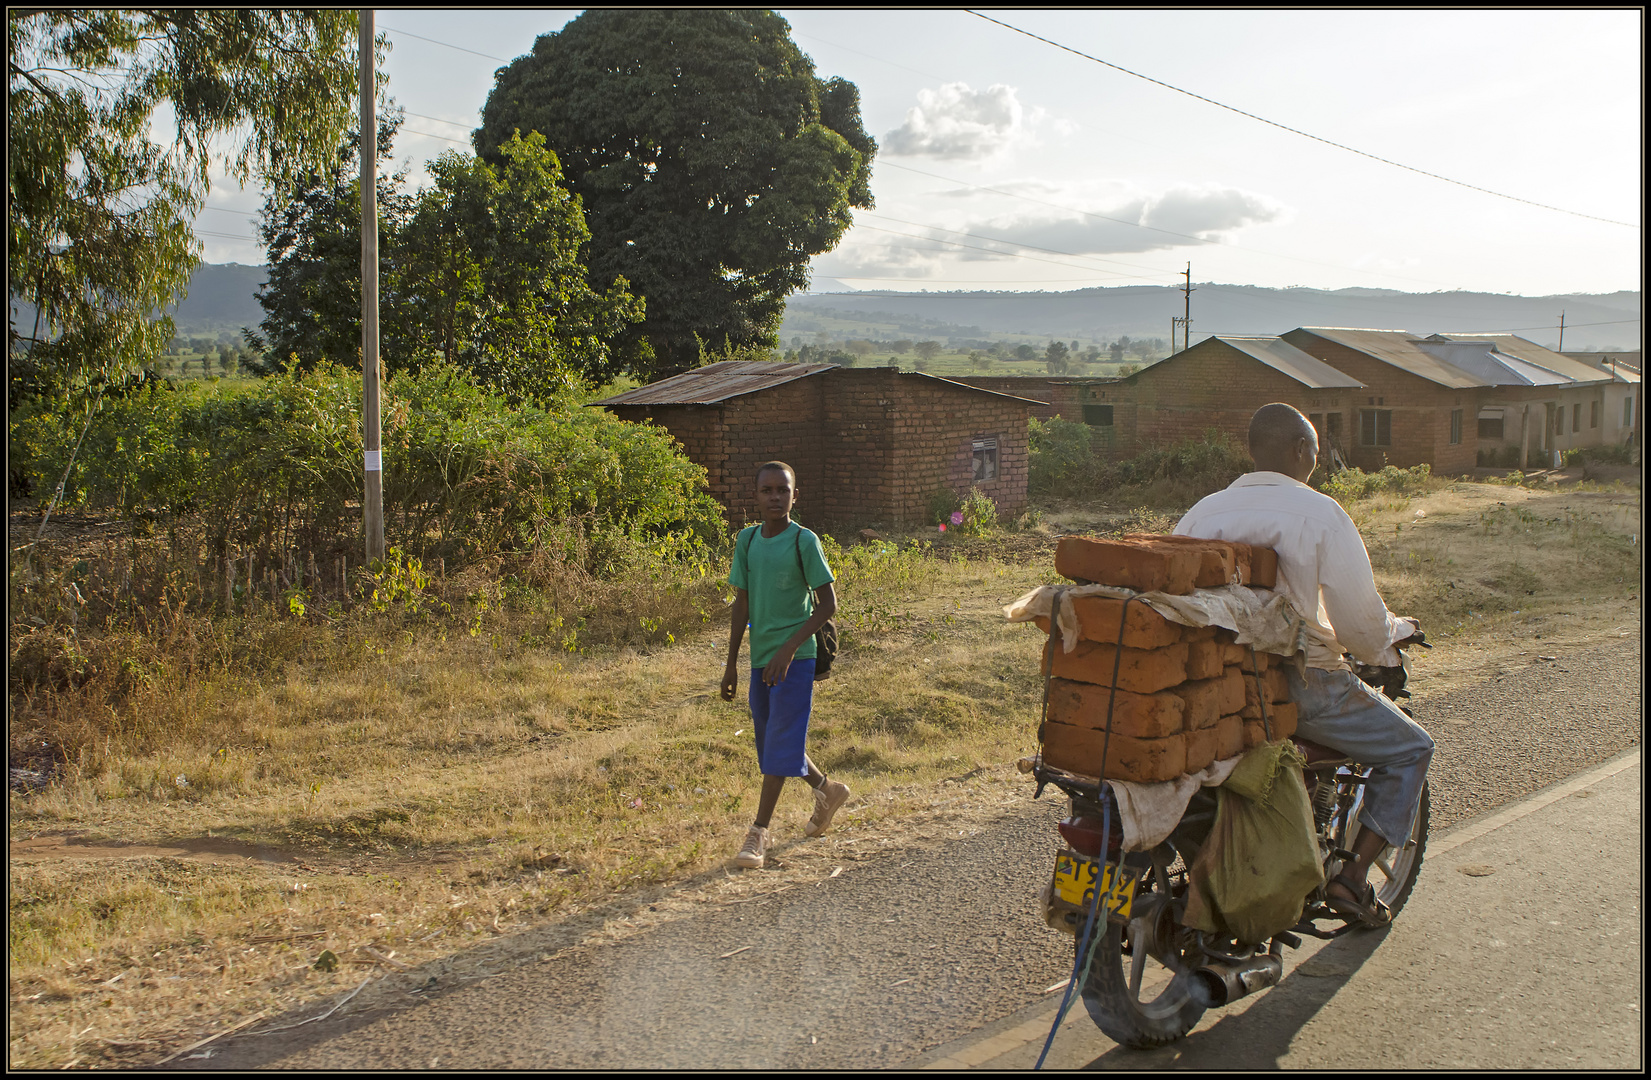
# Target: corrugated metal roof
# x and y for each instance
(716, 382)
(976, 389)
(1399, 348)
(1480, 358)
(1286, 359)
(1532, 353)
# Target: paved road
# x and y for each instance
(923, 954)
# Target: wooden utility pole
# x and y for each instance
(1561, 331)
(372, 502)
(1186, 318)
(1172, 323)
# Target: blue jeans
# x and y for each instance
(1341, 712)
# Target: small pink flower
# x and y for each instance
(957, 517)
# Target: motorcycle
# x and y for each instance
(1132, 902)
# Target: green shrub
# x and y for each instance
(277, 465)
(979, 514)
(1351, 484)
(942, 505)
(1062, 460)
(1602, 455)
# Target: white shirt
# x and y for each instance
(1322, 564)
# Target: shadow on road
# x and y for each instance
(1260, 1035)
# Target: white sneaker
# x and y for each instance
(756, 845)
(828, 798)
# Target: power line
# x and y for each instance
(1296, 131)
(447, 44)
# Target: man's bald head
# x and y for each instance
(1283, 441)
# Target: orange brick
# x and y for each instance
(1281, 718)
(1219, 561)
(1144, 761)
(1239, 656)
(1143, 716)
(1098, 620)
(1145, 566)
(1229, 737)
(1209, 699)
(1205, 659)
(1263, 568)
(1199, 633)
(1200, 748)
(1272, 682)
(1140, 671)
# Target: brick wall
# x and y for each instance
(1420, 411)
(869, 446)
(901, 437)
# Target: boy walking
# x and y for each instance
(782, 588)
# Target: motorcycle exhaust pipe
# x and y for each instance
(1218, 984)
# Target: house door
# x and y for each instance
(1548, 427)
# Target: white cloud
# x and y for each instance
(1207, 213)
(957, 122)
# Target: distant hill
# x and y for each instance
(223, 296)
(1102, 315)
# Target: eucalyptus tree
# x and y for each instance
(99, 211)
(711, 162)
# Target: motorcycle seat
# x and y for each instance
(1320, 756)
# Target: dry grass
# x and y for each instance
(429, 795)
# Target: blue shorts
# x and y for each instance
(779, 716)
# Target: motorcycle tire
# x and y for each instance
(1112, 993)
(1394, 889)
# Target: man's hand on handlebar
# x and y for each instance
(1417, 638)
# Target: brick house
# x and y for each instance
(1219, 383)
(870, 445)
(1081, 399)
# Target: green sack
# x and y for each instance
(1261, 860)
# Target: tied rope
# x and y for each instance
(1260, 695)
(1086, 947)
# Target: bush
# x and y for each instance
(1062, 460)
(979, 514)
(277, 466)
(1601, 455)
(1349, 485)
(942, 505)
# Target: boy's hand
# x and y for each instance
(730, 682)
(774, 673)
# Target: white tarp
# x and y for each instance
(1258, 617)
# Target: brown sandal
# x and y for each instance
(1368, 911)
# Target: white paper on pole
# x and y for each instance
(375, 460)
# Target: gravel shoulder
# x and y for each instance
(899, 952)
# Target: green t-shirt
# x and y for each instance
(771, 570)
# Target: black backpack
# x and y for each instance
(825, 638)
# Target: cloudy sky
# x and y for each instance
(1009, 163)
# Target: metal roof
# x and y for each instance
(976, 389)
(716, 382)
(1532, 353)
(726, 379)
(1286, 359)
(1398, 348)
(1478, 357)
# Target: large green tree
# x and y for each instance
(98, 211)
(711, 161)
(482, 269)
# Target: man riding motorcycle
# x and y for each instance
(1324, 569)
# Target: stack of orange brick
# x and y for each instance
(1185, 696)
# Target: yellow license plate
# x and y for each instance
(1075, 883)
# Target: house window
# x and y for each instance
(1097, 415)
(1375, 427)
(1455, 426)
(1593, 414)
(1576, 418)
(1490, 426)
(985, 459)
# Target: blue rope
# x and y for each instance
(1086, 950)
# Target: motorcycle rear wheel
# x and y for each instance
(1395, 870)
(1113, 993)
